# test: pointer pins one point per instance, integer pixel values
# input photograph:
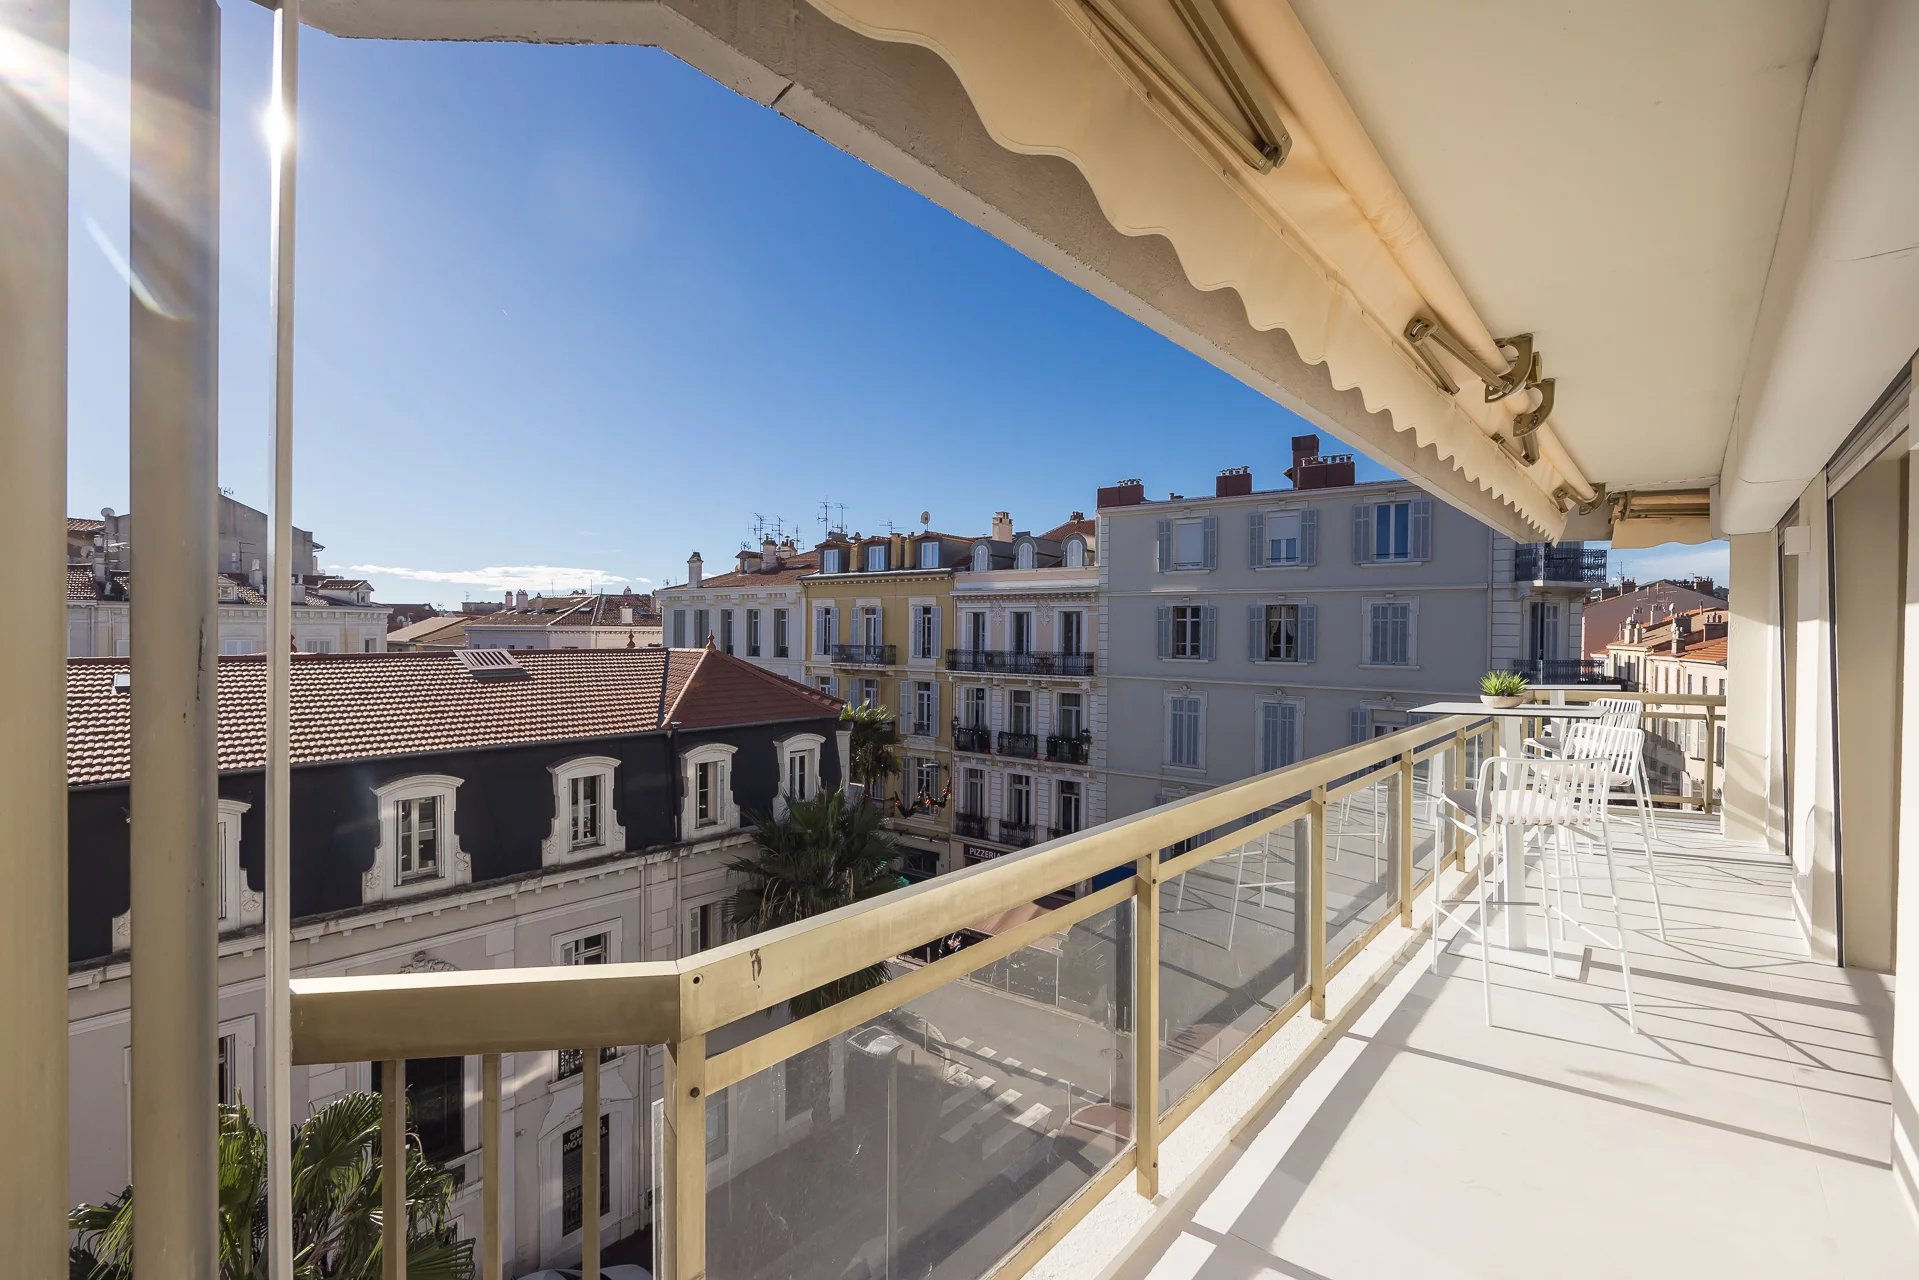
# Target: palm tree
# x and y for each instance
(336, 1205)
(820, 855)
(875, 732)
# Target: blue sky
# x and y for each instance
(574, 312)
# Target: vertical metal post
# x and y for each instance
(684, 1119)
(1456, 759)
(1708, 800)
(492, 1266)
(173, 229)
(1316, 898)
(1146, 1016)
(393, 1170)
(33, 785)
(1404, 845)
(279, 816)
(590, 1162)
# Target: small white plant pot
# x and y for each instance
(1498, 700)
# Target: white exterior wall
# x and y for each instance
(789, 596)
(102, 629)
(1454, 636)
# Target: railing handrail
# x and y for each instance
(387, 1016)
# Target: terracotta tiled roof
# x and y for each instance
(1713, 650)
(715, 689)
(790, 571)
(1081, 526)
(447, 629)
(76, 524)
(359, 706)
(80, 584)
(601, 610)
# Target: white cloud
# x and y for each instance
(504, 577)
(1673, 560)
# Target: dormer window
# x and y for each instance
(1023, 557)
(799, 767)
(1076, 553)
(930, 553)
(707, 780)
(982, 558)
(239, 906)
(585, 822)
(876, 558)
(419, 849)
(831, 562)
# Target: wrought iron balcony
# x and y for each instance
(1023, 745)
(1546, 562)
(973, 738)
(1017, 834)
(1567, 671)
(920, 728)
(970, 824)
(1072, 748)
(864, 655)
(1014, 662)
(1057, 832)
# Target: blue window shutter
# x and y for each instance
(679, 628)
(1165, 560)
(1256, 525)
(1163, 617)
(1358, 724)
(903, 717)
(937, 634)
(1255, 632)
(1362, 533)
(1422, 528)
(1209, 527)
(1309, 536)
(1309, 633)
(1288, 733)
(1208, 620)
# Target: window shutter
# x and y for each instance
(1208, 620)
(1163, 617)
(936, 697)
(903, 715)
(936, 641)
(1255, 641)
(1165, 560)
(1358, 722)
(1422, 528)
(1288, 733)
(679, 628)
(1209, 528)
(1309, 536)
(1362, 531)
(1309, 633)
(1256, 527)
(819, 630)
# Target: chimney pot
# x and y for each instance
(1233, 482)
(1127, 493)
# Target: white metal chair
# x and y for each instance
(1624, 750)
(1614, 713)
(1263, 882)
(1566, 798)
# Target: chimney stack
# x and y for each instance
(1002, 526)
(519, 601)
(100, 562)
(694, 569)
(769, 554)
(1127, 493)
(1233, 482)
(257, 576)
(626, 615)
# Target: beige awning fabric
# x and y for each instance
(1323, 246)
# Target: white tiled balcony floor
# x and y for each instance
(1744, 1133)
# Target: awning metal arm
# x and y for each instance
(1270, 142)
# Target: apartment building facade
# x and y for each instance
(1026, 702)
(551, 821)
(880, 619)
(330, 615)
(1683, 651)
(1247, 630)
(757, 611)
(581, 620)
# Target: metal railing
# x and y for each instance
(1023, 745)
(1298, 869)
(1071, 748)
(1020, 663)
(970, 824)
(974, 737)
(1566, 671)
(1682, 743)
(864, 655)
(1016, 834)
(1544, 562)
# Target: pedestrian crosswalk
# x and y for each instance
(995, 1099)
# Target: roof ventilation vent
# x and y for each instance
(491, 664)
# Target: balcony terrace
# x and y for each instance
(863, 655)
(1023, 746)
(1546, 564)
(1015, 662)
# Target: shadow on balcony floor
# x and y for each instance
(1745, 1133)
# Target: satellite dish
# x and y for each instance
(926, 518)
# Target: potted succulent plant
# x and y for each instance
(1502, 688)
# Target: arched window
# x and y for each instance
(419, 849)
(1075, 553)
(1023, 557)
(982, 558)
(585, 821)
